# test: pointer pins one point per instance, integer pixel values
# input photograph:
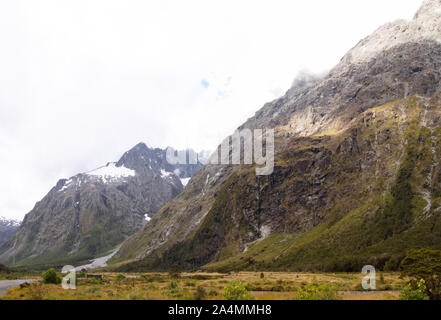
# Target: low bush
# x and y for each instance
(237, 290)
(50, 277)
(174, 286)
(315, 291)
(424, 264)
(415, 290)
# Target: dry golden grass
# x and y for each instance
(154, 286)
(372, 296)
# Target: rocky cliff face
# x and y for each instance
(90, 213)
(7, 229)
(357, 165)
(398, 60)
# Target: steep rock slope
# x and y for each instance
(90, 213)
(355, 178)
(361, 196)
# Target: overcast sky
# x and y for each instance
(81, 82)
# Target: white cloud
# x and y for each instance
(82, 81)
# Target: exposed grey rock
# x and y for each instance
(90, 213)
(400, 59)
(349, 89)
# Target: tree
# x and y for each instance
(424, 264)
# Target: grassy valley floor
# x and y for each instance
(208, 286)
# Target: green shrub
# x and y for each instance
(262, 275)
(237, 290)
(83, 274)
(424, 264)
(50, 276)
(174, 286)
(315, 291)
(415, 290)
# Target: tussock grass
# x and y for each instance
(158, 286)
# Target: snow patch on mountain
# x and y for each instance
(165, 174)
(9, 222)
(111, 172)
(99, 262)
(185, 181)
(66, 185)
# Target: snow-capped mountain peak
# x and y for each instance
(9, 222)
(111, 172)
(7, 229)
(127, 193)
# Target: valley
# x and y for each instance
(354, 182)
(154, 286)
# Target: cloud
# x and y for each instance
(83, 81)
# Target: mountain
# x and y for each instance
(7, 228)
(356, 177)
(90, 213)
